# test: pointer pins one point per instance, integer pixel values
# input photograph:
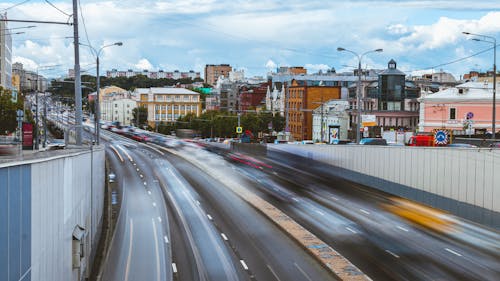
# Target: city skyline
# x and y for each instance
(258, 36)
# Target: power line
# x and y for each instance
(55, 7)
(84, 25)
(13, 6)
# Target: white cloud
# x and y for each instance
(397, 29)
(144, 64)
(314, 68)
(271, 65)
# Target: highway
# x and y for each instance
(178, 223)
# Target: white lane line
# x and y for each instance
(141, 176)
(295, 199)
(145, 183)
(149, 192)
(129, 249)
(159, 219)
(453, 252)
(302, 271)
(224, 236)
(402, 228)
(137, 169)
(319, 212)
(392, 254)
(209, 217)
(117, 153)
(275, 173)
(135, 164)
(351, 230)
(174, 267)
(154, 204)
(156, 251)
(274, 273)
(334, 198)
(244, 264)
(166, 239)
(364, 211)
(198, 202)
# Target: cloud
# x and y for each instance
(271, 65)
(397, 29)
(314, 68)
(144, 64)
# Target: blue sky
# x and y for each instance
(259, 35)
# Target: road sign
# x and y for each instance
(239, 130)
(470, 115)
(441, 137)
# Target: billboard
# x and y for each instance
(27, 135)
(368, 120)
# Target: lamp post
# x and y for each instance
(97, 110)
(358, 94)
(494, 42)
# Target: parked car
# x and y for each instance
(373, 141)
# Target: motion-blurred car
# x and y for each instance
(373, 141)
(56, 144)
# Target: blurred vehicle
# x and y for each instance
(247, 160)
(56, 144)
(111, 177)
(422, 140)
(464, 145)
(7, 149)
(140, 137)
(307, 142)
(419, 214)
(373, 141)
(495, 145)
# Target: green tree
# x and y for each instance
(140, 116)
(8, 111)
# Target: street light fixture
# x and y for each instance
(494, 42)
(358, 94)
(97, 117)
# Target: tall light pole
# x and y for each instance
(358, 94)
(97, 110)
(494, 42)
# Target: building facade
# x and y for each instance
(167, 104)
(176, 74)
(331, 122)
(466, 108)
(214, 71)
(5, 54)
(303, 97)
(252, 97)
(29, 81)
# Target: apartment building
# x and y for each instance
(176, 74)
(5, 55)
(214, 71)
(167, 104)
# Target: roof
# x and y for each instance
(392, 71)
(471, 91)
(167, 91)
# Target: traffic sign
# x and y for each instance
(470, 115)
(441, 137)
(239, 130)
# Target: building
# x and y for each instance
(5, 54)
(176, 74)
(116, 104)
(331, 122)
(455, 108)
(252, 97)
(275, 100)
(303, 97)
(293, 70)
(214, 71)
(29, 81)
(167, 104)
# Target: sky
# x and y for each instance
(255, 35)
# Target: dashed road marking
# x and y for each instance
(159, 219)
(351, 230)
(154, 204)
(174, 267)
(244, 264)
(392, 254)
(209, 217)
(145, 183)
(402, 228)
(141, 176)
(198, 202)
(334, 198)
(295, 199)
(224, 236)
(166, 239)
(319, 212)
(364, 211)
(149, 192)
(453, 252)
(302, 271)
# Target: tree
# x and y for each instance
(8, 111)
(140, 116)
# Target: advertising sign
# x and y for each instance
(334, 135)
(27, 135)
(368, 120)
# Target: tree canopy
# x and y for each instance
(8, 111)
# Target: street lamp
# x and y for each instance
(97, 53)
(358, 94)
(494, 42)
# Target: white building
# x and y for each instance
(176, 74)
(275, 100)
(119, 110)
(331, 121)
(5, 55)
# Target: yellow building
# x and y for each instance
(303, 97)
(167, 104)
(16, 82)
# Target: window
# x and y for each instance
(453, 113)
(116, 105)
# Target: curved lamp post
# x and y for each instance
(97, 118)
(358, 94)
(493, 41)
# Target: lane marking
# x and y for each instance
(159, 219)
(198, 202)
(244, 264)
(351, 230)
(166, 239)
(453, 252)
(174, 267)
(402, 228)
(209, 217)
(117, 153)
(319, 212)
(149, 192)
(126, 154)
(274, 273)
(224, 236)
(137, 169)
(295, 199)
(392, 254)
(141, 176)
(145, 183)
(334, 198)
(154, 204)
(302, 271)
(129, 248)
(364, 211)
(156, 251)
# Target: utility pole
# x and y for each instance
(78, 85)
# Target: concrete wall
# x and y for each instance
(62, 189)
(463, 181)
